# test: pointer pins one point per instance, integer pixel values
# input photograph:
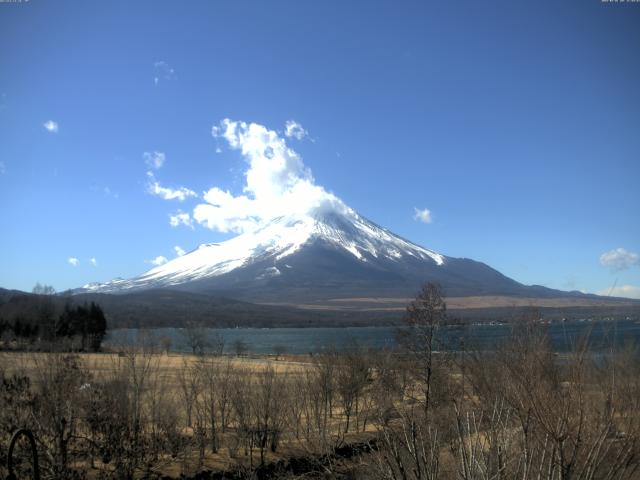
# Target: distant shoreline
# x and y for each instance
(305, 340)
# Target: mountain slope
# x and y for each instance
(310, 258)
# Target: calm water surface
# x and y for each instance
(310, 340)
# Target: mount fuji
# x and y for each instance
(303, 258)
(310, 258)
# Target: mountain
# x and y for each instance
(314, 258)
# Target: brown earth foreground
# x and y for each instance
(519, 412)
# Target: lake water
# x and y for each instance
(311, 340)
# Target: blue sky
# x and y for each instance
(516, 124)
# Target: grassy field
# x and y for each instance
(464, 303)
(167, 365)
(178, 380)
(520, 411)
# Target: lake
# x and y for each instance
(563, 336)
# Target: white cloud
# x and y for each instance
(73, 261)
(154, 159)
(627, 291)
(619, 259)
(159, 260)
(51, 126)
(277, 182)
(179, 251)
(295, 130)
(180, 193)
(180, 218)
(162, 71)
(3, 168)
(93, 261)
(422, 215)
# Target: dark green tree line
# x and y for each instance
(88, 323)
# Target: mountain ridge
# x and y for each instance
(331, 253)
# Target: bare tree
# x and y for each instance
(549, 419)
(240, 347)
(166, 343)
(216, 343)
(423, 318)
(57, 411)
(269, 405)
(352, 377)
(196, 337)
(210, 377)
(123, 421)
(189, 387)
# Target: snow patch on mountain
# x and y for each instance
(278, 239)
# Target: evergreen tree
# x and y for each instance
(46, 309)
(97, 326)
(17, 327)
(63, 328)
(86, 322)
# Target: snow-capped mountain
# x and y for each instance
(330, 254)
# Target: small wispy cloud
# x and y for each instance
(162, 71)
(50, 126)
(179, 251)
(110, 193)
(3, 168)
(619, 259)
(73, 261)
(154, 160)
(159, 260)
(106, 191)
(626, 291)
(293, 129)
(93, 261)
(422, 215)
(166, 193)
(180, 218)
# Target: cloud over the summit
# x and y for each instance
(277, 182)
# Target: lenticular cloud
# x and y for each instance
(277, 183)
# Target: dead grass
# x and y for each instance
(168, 366)
(459, 303)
